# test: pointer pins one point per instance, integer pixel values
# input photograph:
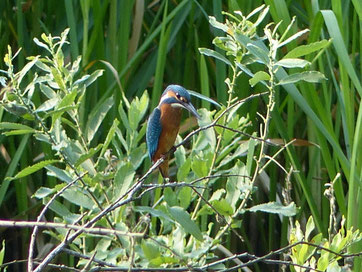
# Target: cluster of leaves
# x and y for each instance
(319, 253)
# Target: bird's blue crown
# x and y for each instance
(178, 89)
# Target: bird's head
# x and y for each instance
(178, 97)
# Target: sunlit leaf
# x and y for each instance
(124, 178)
(91, 152)
(275, 207)
(43, 192)
(310, 76)
(214, 54)
(78, 198)
(96, 117)
(258, 52)
(293, 37)
(258, 76)
(292, 63)
(31, 169)
(307, 49)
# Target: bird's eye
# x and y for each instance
(178, 95)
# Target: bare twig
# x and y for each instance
(93, 230)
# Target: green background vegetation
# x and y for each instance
(152, 44)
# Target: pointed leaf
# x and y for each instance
(43, 192)
(31, 169)
(258, 52)
(311, 76)
(88, 155)
(304, 50)
(293, 37)
(89, 79)
(214, 54)
(184, 219)
(277, 208)
(15, 126)
(124, 178)
(292, 63)
(110, 136)
(48, 105)
(78, 198)
(19, 132)
(96, 117)
(216, 24)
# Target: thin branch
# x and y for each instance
(93, 230)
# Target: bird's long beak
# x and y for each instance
(191, 109)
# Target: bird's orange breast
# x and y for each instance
(170, 122)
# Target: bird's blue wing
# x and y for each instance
(153, 131)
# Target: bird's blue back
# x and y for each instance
(153, 132)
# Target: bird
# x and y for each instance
(164, 123)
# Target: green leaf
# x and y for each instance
(2, 252)
(223, 207)
(78, 198)
(214, 54)
(60, 209)
(25, 70)
(216, 24)
(137, 110)
(151, 250)
(304, 50)
(48, 105)
(293, 37)
(19, 132)
(65, 104)
(184, 219)
(157, 262)
(58, 173)
(41, 44)
(88, 155)
(96, 117)
(259, 76)
(184, 169)
(47, 91)
(110, 136)
(292, 63)
(31, 169)
(89, 79)
(124, 178)
(14, 126)
(310, 76)
(153, 212)
(258, 52)
(43, 192)
(277, 208)
(309, 228)
(199, 166)
(170, 196)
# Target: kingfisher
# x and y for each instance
(164, 123)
